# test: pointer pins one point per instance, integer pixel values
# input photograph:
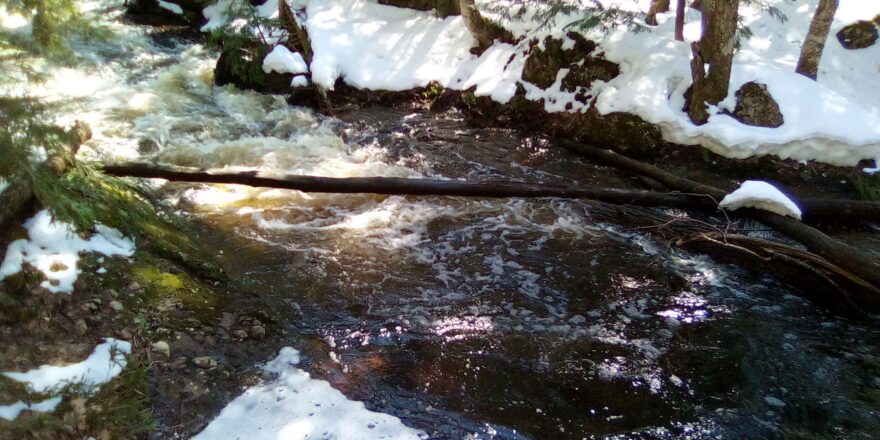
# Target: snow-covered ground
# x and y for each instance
(294, 406)
(106, 362)
(53, 248)
(835, 120)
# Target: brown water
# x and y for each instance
(479, 318)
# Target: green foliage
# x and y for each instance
(27, 126)
(53, 23)
(595, 14)
(249, 37)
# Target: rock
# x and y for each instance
(444, 8)
(116, 306)
(239, 334)
(81, 327)
(179, 363)
(258, 332)
(162, 348)
(205, 362)
(858, 35)
(755, 106)
(542, 65)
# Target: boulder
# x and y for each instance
(858, 35)
(542, 65)
(444, 8)
(755, 106)
(150, 12)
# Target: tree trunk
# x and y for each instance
(403, 186)
(679, 19)
(657, 6)
(715, 50)
(814, 42)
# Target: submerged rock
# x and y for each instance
(858, 35)
(755, 106)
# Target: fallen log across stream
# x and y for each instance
(842, 285)
(858, 263)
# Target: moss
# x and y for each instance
(160, 285)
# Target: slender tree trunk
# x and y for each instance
(814, 43)
(657, 6)
(679, 19)
(715, 50)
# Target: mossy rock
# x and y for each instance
(756, 107)
(543, 65)
(858, 35)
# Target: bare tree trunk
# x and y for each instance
(679, 19)
(714, 49)
(657, 6)
(814, 43)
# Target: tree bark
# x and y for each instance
(814, 42)
(657, 6)
(679, 19)
(403, 186)
(864, 265)
(715, 50)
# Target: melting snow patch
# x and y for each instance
(3, 184)
(761, 195)
(11, 412)
(52, 247)
(173, 7)
(295, 406)
(105, 363)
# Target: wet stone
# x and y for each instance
(162, 348)
(205, 362)
(258, 332)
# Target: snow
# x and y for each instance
(834, 120)
(11, 412)
(53, 248)
(105, 363)
(761, 195)
(3, 184)
(295, 406)
(173, 7)
(282, 60)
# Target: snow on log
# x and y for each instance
(761, 195)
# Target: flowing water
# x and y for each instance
(487, 318)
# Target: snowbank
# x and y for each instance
(761, 195)
(835, 120)
(106, 362)
(295, 406)
(53, 248)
